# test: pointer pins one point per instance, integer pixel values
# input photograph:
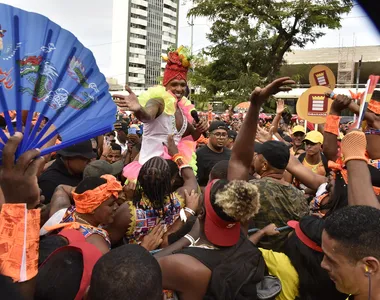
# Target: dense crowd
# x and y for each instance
(223, 207)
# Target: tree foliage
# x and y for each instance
(250, 38)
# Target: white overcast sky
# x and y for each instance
(91, 22)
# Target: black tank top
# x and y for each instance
(235, 270)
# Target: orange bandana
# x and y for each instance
(374, 106)
(90, 200)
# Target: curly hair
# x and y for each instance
(239, 200)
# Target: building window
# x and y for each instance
(169, 25)
(134, 65)
(133, 74)
(137, 46)
(133, 5)
(170, 17)
(170, 8)
(133, 25)
(138, 36)
(138, 16)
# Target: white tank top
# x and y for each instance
(156, 132)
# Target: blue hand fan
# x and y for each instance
(51, 81)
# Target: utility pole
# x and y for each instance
(358, 74)
(191, 23)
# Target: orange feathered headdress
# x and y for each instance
(90, 200)
(177, 65)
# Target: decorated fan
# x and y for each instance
(51, 82)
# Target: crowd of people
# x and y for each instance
(171, 206)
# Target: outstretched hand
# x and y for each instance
(18, 180)
(260, 95)
(280, 106)
(128, 103)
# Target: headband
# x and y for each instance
(90, 200)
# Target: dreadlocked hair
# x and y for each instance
(239, 200)
(154, 182)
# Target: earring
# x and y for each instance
(367, 272)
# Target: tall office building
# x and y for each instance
(142, 31)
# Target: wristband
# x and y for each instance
(182, 167)
(332, 124)
(190, 211)
(182, 215)
(177, 156)
(190, 239)
(354, 146)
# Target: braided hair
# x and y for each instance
(154, 182)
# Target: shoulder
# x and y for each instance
(99, 242)
(202, 149)
(227, 150)
(184, 273)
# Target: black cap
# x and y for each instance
(232, 134)
(83, 149)
(217, 125)
(276, 153)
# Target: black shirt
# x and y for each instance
(206, 160)
(55, 175)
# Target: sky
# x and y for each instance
(91, 22)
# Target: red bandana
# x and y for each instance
(175, 68)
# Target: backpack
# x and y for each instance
(238, 274)
(302, 156)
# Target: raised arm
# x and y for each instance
(152, 110)
(331, 130)
(372, 119)
(242, 152)
(304, 175)
(360, 191)
(279, 110)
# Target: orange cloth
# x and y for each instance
(88, 201)
(339, 166)
(332, 124)
(19, 241)
(202, 140)
(374, 106)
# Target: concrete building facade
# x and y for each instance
(142, 31)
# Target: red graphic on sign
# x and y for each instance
(317, 105)
(321, 78)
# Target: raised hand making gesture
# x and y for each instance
(128, 103)
(260, 95)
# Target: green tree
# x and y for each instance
(249, 38)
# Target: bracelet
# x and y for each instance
(190, 239)
(182, 215)
(190, 211)
(182, 167)
(177, 156)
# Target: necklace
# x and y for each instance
(78, 217)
